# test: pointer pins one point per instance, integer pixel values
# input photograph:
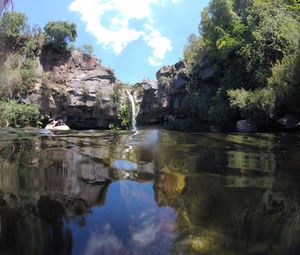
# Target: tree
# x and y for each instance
(59, 34)
(12, 28)
(194, 49)
(88, 49)
(252, 47)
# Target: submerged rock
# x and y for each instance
(246, 126)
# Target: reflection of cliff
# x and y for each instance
(25, 232)
(233, 194)
(40, 187)
(57, 171)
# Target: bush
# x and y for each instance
(59, 34)
(32, 47)
(285, 82)
(12, 27)
(88, 49)
(259, 102)
(13, 114)
(27, 75)
(125, 115)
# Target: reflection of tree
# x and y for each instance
(236, 199)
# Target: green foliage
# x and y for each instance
(17, 115)
(285, 82)
(282, 92)
(33, 46)
(88, 49)
(125, 115)
(220, 112)
(253, 103)
(252, 45)
(12, 27)
(59, 34)
(121, 103)
(165, 82)
(194, 50)
(27, 75)
(18, 78)
(196, 106)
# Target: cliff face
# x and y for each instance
(163, 99)
(76, 88)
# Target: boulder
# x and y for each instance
(164, 97)
(165, 71)
(180, 65)
(246, 126)
(180, 81)
(149, 84)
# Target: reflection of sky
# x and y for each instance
(128, 223)
(123, 164)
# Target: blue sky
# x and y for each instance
(134, 37)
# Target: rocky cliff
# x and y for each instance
(76, 88)
(163, 98)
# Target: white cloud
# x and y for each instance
(160, 44)
(109, 21)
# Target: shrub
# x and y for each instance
(165, 82)
(27, 75)
(88, 49)
(13, 114)
(125, 115)
(285, 82)
(12, 27)
(33, 46)
(253, 103)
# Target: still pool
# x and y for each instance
(149, 192)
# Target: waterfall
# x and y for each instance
(133, 114)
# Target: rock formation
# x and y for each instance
(76, 88)
(162, 99)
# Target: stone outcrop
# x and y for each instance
(168, 103)
(163, 97)
(77, 89)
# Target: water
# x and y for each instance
(133, 114)
(149, 192)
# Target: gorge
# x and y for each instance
(203, 159)
(236, 75)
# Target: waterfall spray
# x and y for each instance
(133, 114)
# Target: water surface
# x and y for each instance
(148, 192)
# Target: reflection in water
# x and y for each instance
(154, 192)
